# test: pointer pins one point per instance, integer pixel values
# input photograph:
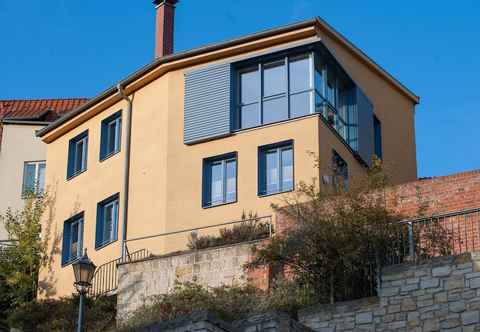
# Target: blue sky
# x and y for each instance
(68, 48)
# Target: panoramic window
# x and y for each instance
(273, 91)
(296, 85)
(33, 178)
(377, 131)
(107, 221)
(275, 168)
(219, 180)
(77, 154)
(111, 135)
(72, 239)
(340, 171)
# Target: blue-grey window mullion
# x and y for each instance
(260, 71)
(311, 58)
(280, 170)
(324, 92)
(224, 181)
(287, 80)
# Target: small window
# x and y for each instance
(220, 180)
(377, 131)
(107, 222)
(33, 178)
(111, 135)
(77, 155)
(340, 171)
(275, 168)
(72, 239)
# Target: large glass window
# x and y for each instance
(111, 135)
(77, 154)
(107, 221)
(219, 180)
(33, 178)
(72, 239)
(275, 168)
(275, 91)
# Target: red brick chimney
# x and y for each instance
(164, 27)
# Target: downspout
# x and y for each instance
(126, 175)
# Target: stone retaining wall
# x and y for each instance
(138, 281)
(443, 295)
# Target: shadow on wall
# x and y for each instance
(52, 242)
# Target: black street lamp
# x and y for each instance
(83, 270)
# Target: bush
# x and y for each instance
(62, 315)
(250, 230)
(228, 302)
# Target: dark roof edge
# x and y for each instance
(32, 122)
(169, 58)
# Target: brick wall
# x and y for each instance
(435, 196)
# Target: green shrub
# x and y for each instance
(228, 302)
(62, 314)
(250, 230)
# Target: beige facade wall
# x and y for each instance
(19, 145)
(166, 174)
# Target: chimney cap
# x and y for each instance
(168, 2)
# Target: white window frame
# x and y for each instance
(36, 190)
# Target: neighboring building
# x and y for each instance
(22, 153)
(216, 131)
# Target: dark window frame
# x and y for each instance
(72, 149)
(100, 241)
(79, 219)
(261, 169)
(377, 132)
(340, 169)
(104, 135)
(206, 165)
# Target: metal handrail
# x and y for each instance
(204, 227)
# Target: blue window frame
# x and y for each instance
(77, 155)
(275, 168)
(275, 90)
(72, 239)
(107, 221)
(219, 180)
(377, 131)
(111, 132)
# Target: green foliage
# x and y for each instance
(20, 261)
(340, 238)
(62, 314)
(228, 302)
(251, 229)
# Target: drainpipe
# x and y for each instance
(126, 175)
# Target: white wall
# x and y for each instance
(19, 144)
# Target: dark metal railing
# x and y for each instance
(455, 233)
(105, 279)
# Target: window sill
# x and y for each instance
(218, 204)
(70, 262)
(261, 195)
(108, 156)
(76, 174)
(106, 244)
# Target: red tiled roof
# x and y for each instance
(46, 110)
(36, 109)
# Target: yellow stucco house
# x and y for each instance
(196, 138)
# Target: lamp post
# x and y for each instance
(83, 270)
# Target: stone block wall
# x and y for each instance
(443, 295)
(139, 281)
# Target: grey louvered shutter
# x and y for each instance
(207, 108)
(366, 144)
